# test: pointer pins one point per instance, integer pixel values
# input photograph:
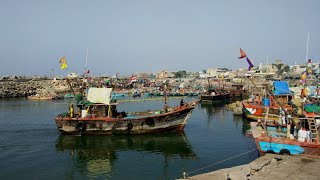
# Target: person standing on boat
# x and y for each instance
(281, 117)
(71, 110)
(165, 107)
(252, 97)
(181, 103)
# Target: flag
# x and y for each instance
(309, 67)
(250, 64)
(303, 77)
(88, 72)
(63, 62)
(242, 54)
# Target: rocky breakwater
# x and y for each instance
(12, 89)
(270, 166)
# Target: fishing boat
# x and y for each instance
(270, 103)
(215, 94)
(236, 90)
(98, 115)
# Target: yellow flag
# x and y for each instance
(63, 62)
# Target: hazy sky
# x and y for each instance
(129, 36)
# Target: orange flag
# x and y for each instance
(242, 54)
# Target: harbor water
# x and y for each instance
(32, 147)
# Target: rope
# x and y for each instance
(221, 161)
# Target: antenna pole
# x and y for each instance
(85, 66)
(267, 64)
(307, 48)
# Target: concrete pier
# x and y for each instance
(270, 166)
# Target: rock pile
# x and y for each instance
(9, 89)
(235, 107)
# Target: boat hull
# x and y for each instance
(175, 120)
(214, 97)
(282, 145)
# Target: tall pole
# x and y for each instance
(85, 66)
(307, 48)
(307, 54)
(267, 64)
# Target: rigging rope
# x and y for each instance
(220, 161)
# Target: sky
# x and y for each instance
(131, 36)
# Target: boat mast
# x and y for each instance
(267, 64)
(85, 66)
(307, 48)
(165, 97)
(307, 54)
(85, 73)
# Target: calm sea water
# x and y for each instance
(32, 148)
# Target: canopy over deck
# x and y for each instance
(100, 95)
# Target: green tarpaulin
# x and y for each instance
(312, 108)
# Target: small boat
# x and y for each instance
(35, 97)
(146, 94)
(69, 95)
(136, 93)
(100, 116)
(118, 95)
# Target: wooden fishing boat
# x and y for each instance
(100, 116)
(215, 94)
(236, 90)
(258, 107)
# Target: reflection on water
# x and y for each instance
(98, 154)
(217, 109)
(245, 123)
(210, 107)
